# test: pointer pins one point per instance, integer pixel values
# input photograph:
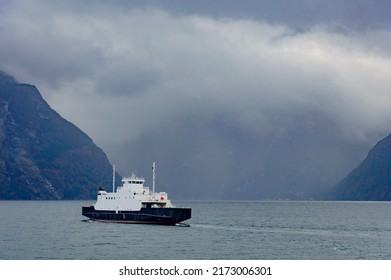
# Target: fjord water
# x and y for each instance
(218, 230)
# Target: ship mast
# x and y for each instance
(153, 176)
(113, 177)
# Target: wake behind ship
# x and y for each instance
(134, 203)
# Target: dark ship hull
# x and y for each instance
(160, 216)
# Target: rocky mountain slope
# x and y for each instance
(371, 180)
(43, 156)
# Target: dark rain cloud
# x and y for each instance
(357, 15)
(198, 54)
(121, 70)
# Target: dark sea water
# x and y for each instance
(218, 230)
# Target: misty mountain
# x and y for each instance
(42, 155)
(217, 157)
(371, 180)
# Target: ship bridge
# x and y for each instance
(133, 181)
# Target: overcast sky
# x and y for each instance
(119, 68)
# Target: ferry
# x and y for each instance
(135, 203)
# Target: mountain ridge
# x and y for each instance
(44, 156)
(371, 179)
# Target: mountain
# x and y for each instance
(371, 180)
(43, 156)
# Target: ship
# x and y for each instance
(135, 203)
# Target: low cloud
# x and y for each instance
(117, 73)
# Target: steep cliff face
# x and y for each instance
(371, 180)
(42, 155)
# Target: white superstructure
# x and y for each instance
(132, 196)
